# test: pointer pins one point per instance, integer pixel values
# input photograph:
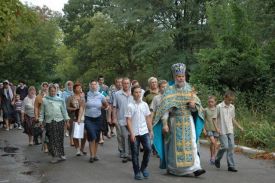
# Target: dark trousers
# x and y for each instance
(145, 141)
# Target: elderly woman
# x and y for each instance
(152, 92)
(95, 101)
(27, 113)
(54, 114)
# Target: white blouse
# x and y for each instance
(28, 106)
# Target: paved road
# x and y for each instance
(31, 165)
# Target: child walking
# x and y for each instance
(226, 118)
(139, 124)
(18, 107)
(211, 129)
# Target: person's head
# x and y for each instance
(162, 85)
(77, 88)
(45, 87)
(1, 85)
(135, 83)
(125, 84)
(153, 83)
(93, 85)
(69, 85)
(136, 92)
(17, 97)
(118, 83)
(21, 83)
(52, 90)
(6, 84)
(57, 86)
(229, 97)
(100, 80)
(178, 71)
(211, 101)
(31, 91)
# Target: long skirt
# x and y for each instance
(28, 125)
(55, 134)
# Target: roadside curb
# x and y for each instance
(244, 149)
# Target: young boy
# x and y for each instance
(139, 123)
(226, 118)
(18, 107)
(211, 129)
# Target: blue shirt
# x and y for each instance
(94, 104)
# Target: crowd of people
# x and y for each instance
(166, 120)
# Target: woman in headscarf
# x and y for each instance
(95, 101)
(28, 116)
(54, 115)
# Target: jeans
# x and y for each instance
(145, 141)
(18, 117)
(227, 145)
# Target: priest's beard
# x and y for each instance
(180, 84)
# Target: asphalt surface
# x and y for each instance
(28, 164)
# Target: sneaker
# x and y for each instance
(7, 129)
(217, 164)
(20, 128)
(96, 158)
(78, 153)
(145, 173)
(232, 169)
(54, 160)
(67, 134)
(138, 176)
(62, 158)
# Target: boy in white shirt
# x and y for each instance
(225, 119)
(139, 123)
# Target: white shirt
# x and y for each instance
(225, 117)
(137, 112)
(28, 106)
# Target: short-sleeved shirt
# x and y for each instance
(156, 102)
(121, 102)
(94, 104)
(225, 117)
(73, 102)
(137, 112)
(28, 106)
(210, 114)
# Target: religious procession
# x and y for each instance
(134, 90)
(166, 120)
